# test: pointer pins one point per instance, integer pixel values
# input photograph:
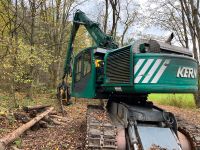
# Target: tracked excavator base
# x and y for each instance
(125, 127)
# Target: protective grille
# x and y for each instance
(118, 66)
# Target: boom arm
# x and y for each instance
(100, 38)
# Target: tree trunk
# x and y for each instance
(197, 95)
(32, 43)
(192, 28)
(114, 9)
(184, 27)
(16, 133)
(197, 33)
(105, 18)
(123, 35)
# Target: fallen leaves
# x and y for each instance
(191, 115)
(72, 135)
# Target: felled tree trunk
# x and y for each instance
(16, 133)
(37, 108)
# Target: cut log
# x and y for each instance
(38, 108)
(60, 118)
(57, 123)
(53, 113)
(16, 133)
(47, 119)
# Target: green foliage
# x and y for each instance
(11, 119)
(16, 66)
(82, 40)
(178, 100)
(18, 142)
(31, 56)
(4, 103)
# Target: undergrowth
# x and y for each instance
(7, 103)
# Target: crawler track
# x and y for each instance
(191, 131)
(101, 133)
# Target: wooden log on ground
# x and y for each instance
(57, 123)
(16, 133)
(60, 118)
(38, 108)
(47, 119)
(53, 113)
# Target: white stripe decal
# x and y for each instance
(143, 70)
(138, 65)
(160, 72)
(152, 71)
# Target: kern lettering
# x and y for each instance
(186, 72)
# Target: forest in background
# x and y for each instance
(34, 35)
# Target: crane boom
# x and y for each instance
(100, 38)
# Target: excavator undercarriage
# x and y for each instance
(138, 127)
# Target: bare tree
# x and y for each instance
(130, 17)
(115, 4)
(182, 18)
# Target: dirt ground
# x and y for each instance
(72, 135)
(190, 115)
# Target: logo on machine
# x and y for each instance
(186, 72)
(155, 72)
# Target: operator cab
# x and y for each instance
(88, 72)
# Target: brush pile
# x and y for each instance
(30, 112)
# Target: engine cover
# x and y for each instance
(130, 72)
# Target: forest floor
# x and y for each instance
(72, 135)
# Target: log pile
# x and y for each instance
(34, 118)
(30, 112)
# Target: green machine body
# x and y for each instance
(134, 69)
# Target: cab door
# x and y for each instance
(83, 79)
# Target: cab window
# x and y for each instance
(78, 69)
(86, 63)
